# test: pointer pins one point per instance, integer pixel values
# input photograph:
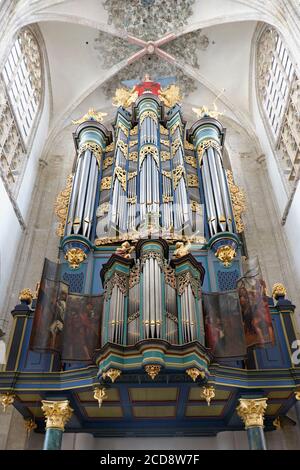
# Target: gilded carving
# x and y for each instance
(123, 128)
(113, 374)
(149, 149)
(169, 274)
(125, 250)
(152, 370)
(134, 277)
(165, 156)
(7, 399)
(134, 130)
(132, 143)
(105, 183)
(194, 373)
(208, 392)
(150, 114)
(226, 254)
(191, 161)
(120, 174)
(133, 156)
(252, 411)
(163, 130)
(107, 162)
(91, 115)
(75, 256)
(110, 147)
(175, 145)
(100, 395)
(170, 96)
(175, 126)
(186, 279)
(206, 144)
(178, 173)
(94, 148)
(26, 295)
(117, 279)
(61, 206)
(124, 97)
(188, 146)
(123, 147)
(238, 200)
(278, 290)
(167, 199)
(57, 413)
(30, 425)
(192, 181)
(196, 207)
(181, 249)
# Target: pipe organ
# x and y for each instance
(149, 295)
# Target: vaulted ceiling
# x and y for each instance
(91, 50)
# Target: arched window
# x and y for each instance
(278, 88)
(20, 96)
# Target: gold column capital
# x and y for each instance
(251, 411)
(57, 413)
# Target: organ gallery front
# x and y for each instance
(152, 323)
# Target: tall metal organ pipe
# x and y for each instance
(208, 136)
(90, 139)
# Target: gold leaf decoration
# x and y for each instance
(238, 200)
(61, 206)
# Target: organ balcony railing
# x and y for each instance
(152, 298)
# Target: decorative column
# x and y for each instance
(251, 411)
(57, 413)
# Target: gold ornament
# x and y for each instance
(148, 113)
(91, 115)
(75, 256)
(170, 96)
(113, 374)
(206, 144)
(152, 370)
(110, 147)
(175, 126)
(134, 130)
(107, 162)
(26, 295)
(251, 411)
(132, 143)
(278, 290)
(105, 183)
(165, 156)
(178, 173)
(30, 425)
(181, 249)
(100, 395)
(123, 128)
(205, 111)
(191, 161)
(188, 146)
(57, 413)
(120, 174)
(61, 206)
(133, 156)
(124, 97)
(123, 147)
(238, 200)
(192, 181)
(225, 254)
(195, 206)
(96, 149)
(297, 394)
(194, 373)
(167, 199)
(208, 392)
(163, 130)
(125, 250)
(7, 399)
(149, 149)
(277, 423)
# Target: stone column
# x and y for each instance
(251, 411)
(57, 413)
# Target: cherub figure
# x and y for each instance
(181, 249)
(125, 250)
